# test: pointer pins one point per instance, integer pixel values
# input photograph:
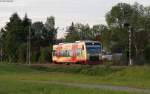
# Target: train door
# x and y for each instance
(74, 52)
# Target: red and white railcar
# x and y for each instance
(84, 52)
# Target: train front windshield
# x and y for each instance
(93, 48)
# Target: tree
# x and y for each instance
(98, 32)
(21, 53)
(37, 31)
(51, 30)
(72, 33)
(13, 39)
(78, 31)
(15, 36)
(26, 22)
(1, 44)
(50, 34)
(86, 32)
(43, 55)
(137, 17)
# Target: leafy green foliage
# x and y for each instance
(137, 17)
(15, 38)
(43, 55)
(34, 57)
(114, 36)
(21, 53)
(86, 70)
(79, 31)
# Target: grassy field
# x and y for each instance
(135, 76)
(16, 87)
(20, 79)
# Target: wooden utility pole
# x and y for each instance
(29, 46)
(130, 45)
(1, 55)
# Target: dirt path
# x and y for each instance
(98, 86)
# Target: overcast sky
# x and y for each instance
(65, 11)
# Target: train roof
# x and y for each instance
(79, 41)
(85, 41)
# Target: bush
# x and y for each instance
(33, 57)
(21, 52)
(147, 53)
(116, 59)
(43, 55)
(20, 56)
(85, 70)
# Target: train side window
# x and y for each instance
(78, 52)
(66, 53)
(70, 53)
(61, 53)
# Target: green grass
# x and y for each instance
(19, 79)
(135, 76)
(16, 87)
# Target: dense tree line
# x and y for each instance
(114, 36)
(15, 38)
(79, 31)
